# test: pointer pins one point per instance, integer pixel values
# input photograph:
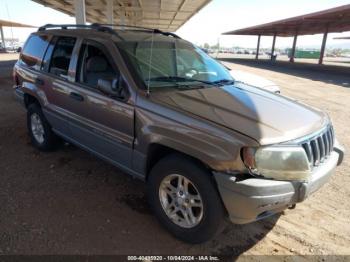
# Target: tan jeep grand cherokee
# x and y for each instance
(159, 108)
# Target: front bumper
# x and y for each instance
(256, 198)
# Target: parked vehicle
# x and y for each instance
(2, 49)
(162, 110)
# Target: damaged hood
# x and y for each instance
(261, 115)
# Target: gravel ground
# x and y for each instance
(69, 202)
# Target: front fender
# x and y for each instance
(217, 147)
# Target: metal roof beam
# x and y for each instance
(163, 13)
(335, 19)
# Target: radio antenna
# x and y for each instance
(150, 64)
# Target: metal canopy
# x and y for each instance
(166, 15)
(331, 20)
(4, 23)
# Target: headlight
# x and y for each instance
(278, 162)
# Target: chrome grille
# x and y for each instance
(319, 147)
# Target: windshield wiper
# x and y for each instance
(178, 79)
(224, 82)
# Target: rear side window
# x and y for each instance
(61, 56)
(34, 50)
(45, 65)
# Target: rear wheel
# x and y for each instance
(185, 200)
(42, 137)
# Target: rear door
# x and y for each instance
(100, 123)
(56, 82)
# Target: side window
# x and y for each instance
(94, 65)
(34, 50)
(62, 53)
(45, 65)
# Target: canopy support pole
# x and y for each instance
(273, 46)
(2, 37)
(257, 48)
(80, 16)
(110, 12)
(323, 47)
(292, 55)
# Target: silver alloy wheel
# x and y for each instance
(37, 128)
(181, 201)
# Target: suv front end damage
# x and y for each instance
(267, 192)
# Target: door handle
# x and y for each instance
(76, 96)
(39, 81)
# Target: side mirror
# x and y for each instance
(109, 87)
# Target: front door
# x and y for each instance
(99, 122)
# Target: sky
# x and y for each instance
(206, 26)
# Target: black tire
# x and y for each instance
(213, 211)
(49, 137)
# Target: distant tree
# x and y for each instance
(206, 46)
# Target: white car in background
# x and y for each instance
(254, 80)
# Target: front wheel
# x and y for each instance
(185, 200)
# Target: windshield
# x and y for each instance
(171, 62)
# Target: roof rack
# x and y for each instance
(74, 26)
(104, 28)
(154, 30)
(166, 33)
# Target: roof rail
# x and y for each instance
(128, 26)
(95, 26)
(72, 26)
(166, 33)
(154, 30)
(104, 28)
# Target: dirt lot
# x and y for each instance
(69, 202)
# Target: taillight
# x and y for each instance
(15, 78)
